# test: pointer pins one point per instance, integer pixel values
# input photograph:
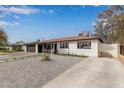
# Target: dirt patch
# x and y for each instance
(121, 58)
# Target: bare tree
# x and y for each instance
(105, 24)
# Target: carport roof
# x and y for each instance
(74, 38)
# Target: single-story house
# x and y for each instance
(76, 45)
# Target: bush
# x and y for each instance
(46, 57)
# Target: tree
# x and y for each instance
(20, 42)
(109, 24)
(118, 20)
(3, 38)
(103, 24)
(119, 28)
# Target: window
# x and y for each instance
(84, 45)
(64, 45)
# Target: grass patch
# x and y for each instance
(4, 52)
(10, 59)
(17, 58)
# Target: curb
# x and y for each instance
(18, 58)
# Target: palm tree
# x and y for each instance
(3, 38)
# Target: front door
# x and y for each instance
(40, 48)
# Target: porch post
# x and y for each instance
(43, 47)
(36, 48)
(51, 48)
(25, 48)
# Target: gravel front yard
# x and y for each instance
(33, 72)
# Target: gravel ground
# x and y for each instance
(34, 73)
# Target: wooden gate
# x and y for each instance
(122, 50)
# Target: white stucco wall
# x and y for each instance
(10, 48)
(74, 50)
(111, 49)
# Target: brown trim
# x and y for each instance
(72, 39)
(66, 39)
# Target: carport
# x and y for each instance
(30, 48)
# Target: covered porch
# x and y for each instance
(47, 48)
(44, 47)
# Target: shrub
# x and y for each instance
(46, 57)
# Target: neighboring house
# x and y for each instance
(77, 45)
(4, 48)
(17, 47)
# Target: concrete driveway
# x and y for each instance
(92, 72)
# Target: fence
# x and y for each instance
(108, 50)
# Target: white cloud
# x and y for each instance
(47, 11)
(2, 15)
(4, 23)
(76, 8)
(51, 11)
(14, 23)
(19, 9)
(83, 6)
(11, 11)
(17, 17)
(73, 8)
(96, 5)
(15, 11)
(26, 10)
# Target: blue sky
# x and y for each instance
(29, 23)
